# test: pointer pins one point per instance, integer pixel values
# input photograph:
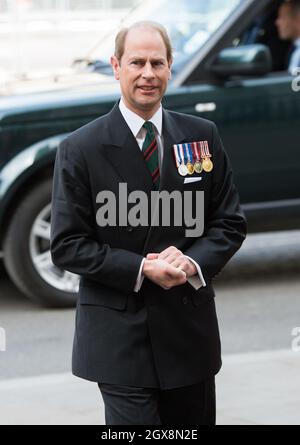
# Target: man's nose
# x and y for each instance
(148, 71)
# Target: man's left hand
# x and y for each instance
(176, 258)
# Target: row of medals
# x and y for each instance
(198, 166)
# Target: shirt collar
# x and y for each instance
(135, 122)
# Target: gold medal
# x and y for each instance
(198, 167)
(190, 168)
(207, 165)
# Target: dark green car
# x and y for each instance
(229, 67)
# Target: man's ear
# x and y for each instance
(116, 66)
(170, 66)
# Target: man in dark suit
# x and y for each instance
(288, 26)
(146, 326)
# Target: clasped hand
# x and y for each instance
(168, 268)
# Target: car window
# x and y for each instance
(263, 30)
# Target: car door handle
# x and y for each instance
(205, 107)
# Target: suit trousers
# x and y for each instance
(188, 405)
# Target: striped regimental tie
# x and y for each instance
(150, 153)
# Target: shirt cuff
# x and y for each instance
(197, 280)
(140, 277)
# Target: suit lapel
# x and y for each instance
(124, 154)
(170, 179)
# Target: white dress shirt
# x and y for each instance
(295, 57)
(135, 123)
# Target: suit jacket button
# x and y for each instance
(184, 300)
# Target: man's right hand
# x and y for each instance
(163, 274)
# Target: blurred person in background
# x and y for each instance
(288, 25)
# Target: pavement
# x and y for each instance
(257, 388)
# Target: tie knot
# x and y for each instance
(149, 126)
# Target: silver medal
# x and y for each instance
(183, 170)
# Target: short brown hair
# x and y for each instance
(121, 37)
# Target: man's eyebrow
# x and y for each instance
(136, 58)
(154, 59)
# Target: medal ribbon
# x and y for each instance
(177, 155)
(190, 153)
(207, 153)
(195, 147)
(202, 150)
(185, 153)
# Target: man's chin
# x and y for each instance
(147, 103)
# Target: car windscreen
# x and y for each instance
(190, 23)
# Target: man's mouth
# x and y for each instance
(147, 88)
